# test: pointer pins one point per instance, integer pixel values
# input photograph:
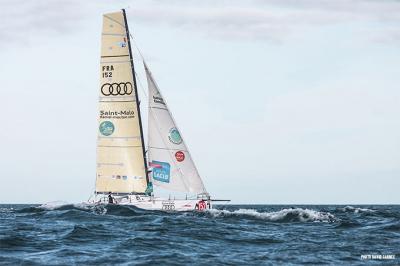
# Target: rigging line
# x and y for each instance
(137, 47)
(141, 85)
(152, 112)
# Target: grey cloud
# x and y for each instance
(270, 20)
(23, 20)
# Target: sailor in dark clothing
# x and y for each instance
(110, 198)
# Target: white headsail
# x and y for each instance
(173, 167)
(121, 164)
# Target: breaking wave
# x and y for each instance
(64, 206)
(284, 215)
(53, 205)
(357, 209)
(98, 209)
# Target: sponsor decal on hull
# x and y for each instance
(201, 205)
(168, 205)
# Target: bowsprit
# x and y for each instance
(114, 89)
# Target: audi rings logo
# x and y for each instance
(114, 89)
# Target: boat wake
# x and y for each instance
(284, 215)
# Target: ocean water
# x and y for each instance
(66, 234)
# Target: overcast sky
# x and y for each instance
(279, 101)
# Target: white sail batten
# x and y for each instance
(170, 160)
(120, 158)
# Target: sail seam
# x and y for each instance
(116, 101)
(134, 137)
(121, 55)
(115, 164)
(114, 146)
(115, 62)
(112, 34)
(159, 148)
(162, 108)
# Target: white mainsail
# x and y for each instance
(121, 164)
(173, 167)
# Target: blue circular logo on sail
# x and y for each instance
(174, 136)
(106, 128)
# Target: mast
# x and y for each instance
(136, 95)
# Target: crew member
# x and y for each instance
(110, 198)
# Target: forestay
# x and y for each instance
(170, 160)
(120, 158)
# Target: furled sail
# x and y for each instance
(121, 166)
(170, 160)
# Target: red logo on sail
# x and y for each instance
(180, 156)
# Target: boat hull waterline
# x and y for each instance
(157, 204)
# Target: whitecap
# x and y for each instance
(84, 206)
(53, 205)
(356, 209)
(295, 214)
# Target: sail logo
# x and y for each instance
(122, 114)
(174, 136)
(158, 99)
(108, 71)
(114, 89)
(122, 44)
(161, 171)
(106, 128)
(180, 156)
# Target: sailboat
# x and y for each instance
(127, 170)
